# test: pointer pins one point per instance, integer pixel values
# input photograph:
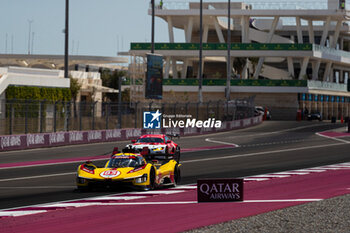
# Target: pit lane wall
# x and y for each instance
(32, 141)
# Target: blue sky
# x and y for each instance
(97, 27)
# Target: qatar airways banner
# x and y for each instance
(41, 140)
(220, 190)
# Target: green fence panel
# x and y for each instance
(248, 82)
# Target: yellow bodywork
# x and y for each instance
(88, 174)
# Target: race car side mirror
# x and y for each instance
(115, 150)
(168, 141)
(133, 141)
(144, 151)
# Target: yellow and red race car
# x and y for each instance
(129, 168)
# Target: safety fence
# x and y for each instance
(30, 116)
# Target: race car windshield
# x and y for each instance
(157, 140)
(123, 162)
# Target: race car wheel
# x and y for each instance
(152, 179)
(166, 153)
(84, 189)
(177, 175)
(177, 154)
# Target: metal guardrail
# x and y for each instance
(263, 5)
(29, 116)
(223, 46)
(331, 51)
(313, 84)
(258, 4)
(287, 5)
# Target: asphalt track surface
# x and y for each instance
(266, 148)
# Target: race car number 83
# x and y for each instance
(110, 173)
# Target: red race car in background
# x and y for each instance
(160, 146)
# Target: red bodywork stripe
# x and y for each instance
(82, 167)
(138, 169)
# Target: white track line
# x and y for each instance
(333, 138)
(64, 204)
(332, 168)
(115, 198)
(160, 192)
(96, 201)
(36, 177)
(13, 212)
(207, 159)
(274, 132)
(207, 139)
(261, 153)
(269, 176)
(195, 202)
(20, 213)
(151, 203)
(311, 170)
(221, 142)
(291, 173)
(184, 187)
(341, 166)
(255, 179)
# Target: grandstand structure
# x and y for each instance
(290, 55)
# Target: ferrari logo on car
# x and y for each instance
(110, 174)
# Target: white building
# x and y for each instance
(47, 71)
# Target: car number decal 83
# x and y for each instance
(110, 174)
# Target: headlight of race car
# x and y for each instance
(158, 149)
(141, 179)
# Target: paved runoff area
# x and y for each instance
(278, 202)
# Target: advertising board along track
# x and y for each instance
(41, 140)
